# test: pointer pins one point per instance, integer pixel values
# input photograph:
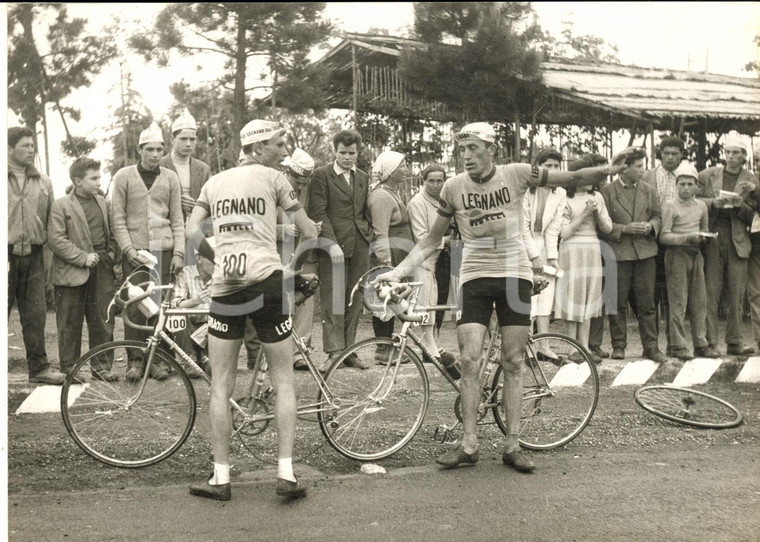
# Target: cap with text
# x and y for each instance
(152, 134)
(300, 162)
(184, 122)
(259, 130)
(476, 130)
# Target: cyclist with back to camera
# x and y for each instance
(487, 202)
(248, 283)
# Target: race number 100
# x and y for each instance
(234, 264)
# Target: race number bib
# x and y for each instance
(175, 323)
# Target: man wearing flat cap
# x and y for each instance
(192, 173)
(146, 214)
(729, 192)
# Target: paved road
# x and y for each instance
(617, 495)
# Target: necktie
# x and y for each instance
(348, 176)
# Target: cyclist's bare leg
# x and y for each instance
(280, 358)
(513, 341)
(223, 354)
(470, 338)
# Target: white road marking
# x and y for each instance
(697, 371)
(636, 373)
(572, 374)
(48, 399)
(751, 371)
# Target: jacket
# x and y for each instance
(147, 219)
(551, 220)
(710, 184)
(646, 208)
(70, 242)
(28, 210)
(199, 173)
(342, 212)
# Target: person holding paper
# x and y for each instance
(726, 257)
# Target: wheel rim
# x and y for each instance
(377, 416)
(687, 406)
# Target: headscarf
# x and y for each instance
(385, 164)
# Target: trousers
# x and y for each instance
(635, 277)
(686, 291)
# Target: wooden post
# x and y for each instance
(353, 80)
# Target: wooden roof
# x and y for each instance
(585, 94)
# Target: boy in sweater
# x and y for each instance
(147, 214)
(684, 223)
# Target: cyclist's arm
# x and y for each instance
(425, 248)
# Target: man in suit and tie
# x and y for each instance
(634, 207)
(84, 253)
(338, 201)
(727, 256)
(192, 173)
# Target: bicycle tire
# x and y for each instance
(366, 428)
(555, 409)
(97, 417)
(260, 438)
(676, 404)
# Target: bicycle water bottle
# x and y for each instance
(147, 306)
(451, 364)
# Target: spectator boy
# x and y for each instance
(147, 215)
(192, 173)
(84, 253)
(30, 197)
(684, 221)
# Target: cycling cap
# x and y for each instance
(259, 130)
(476, 130)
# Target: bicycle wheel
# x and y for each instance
(259, 438)
(689, 407)
(560, 392)
(378, 409)
(115, 426)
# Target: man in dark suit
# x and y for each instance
(338, 202)
(635, 211)
(192, 173)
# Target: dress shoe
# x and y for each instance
(706, 352)
(517, 460)
(595, 359)
(739, 350)
(221, 492)
(292, 490)
(656, 356)
(105, 376)
(159, 372)
(300, 365)
(618, 353)
(79, 378)
(134, 374)
(458, 456)
(599, 351)
(48, 376)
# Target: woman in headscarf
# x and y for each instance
(390, 224)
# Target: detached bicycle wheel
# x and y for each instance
(378, 409)
(115, 423)
(689, 407)
(560, 392)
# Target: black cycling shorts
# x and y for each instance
(511, 296)
(261, 302)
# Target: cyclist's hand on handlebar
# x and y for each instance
(388, 276)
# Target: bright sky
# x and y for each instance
(657, 34)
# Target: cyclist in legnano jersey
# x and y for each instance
(486, 201)
(248, 283)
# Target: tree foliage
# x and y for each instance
(586, 48)
(36, 79)
(755, 64)
(478, 56)
(280, 33)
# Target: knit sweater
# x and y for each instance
(147, 219)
